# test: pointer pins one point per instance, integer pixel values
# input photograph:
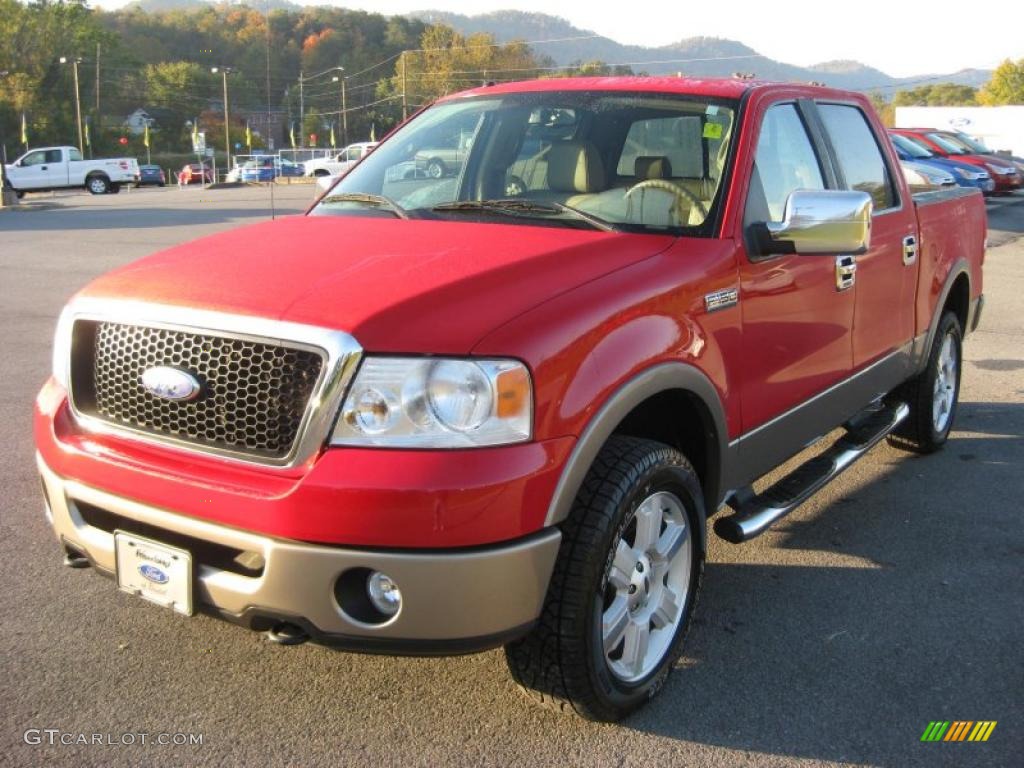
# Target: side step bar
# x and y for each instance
(756, 513)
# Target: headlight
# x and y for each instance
(1001, 170)
(436, 403)
(62, 348)
(963, 173)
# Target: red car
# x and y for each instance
(947, 144)
(440, 415)
(195, 173)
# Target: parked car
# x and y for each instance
(195, 173)
(449, 419)
(338, 164)
(909, 150)
(268, 168)
(152, 174)
(46, 168)
(925, 178)
(945, 144)
(445, 159)
(981, 148)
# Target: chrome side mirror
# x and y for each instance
(826, 221)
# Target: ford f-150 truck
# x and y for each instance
(40, 170)
(438, 415)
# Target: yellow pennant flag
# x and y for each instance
(24, 130)
(248, 135)
(333, 142)
(291, 133)
(145, 135)
(87, 142)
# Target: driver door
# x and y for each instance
(797, 321)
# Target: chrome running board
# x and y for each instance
(754, 514)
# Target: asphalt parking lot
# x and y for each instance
(889, 601)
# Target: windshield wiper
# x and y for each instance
(377, 201)
(526, 208)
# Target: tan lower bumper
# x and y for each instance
(455, 596)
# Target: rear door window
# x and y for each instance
(858, 152)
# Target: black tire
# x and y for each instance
(436, 168)
(562, 662)
(321, 172)
(115, 188)
(97, 185)
(919, 432)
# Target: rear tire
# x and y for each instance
(97, 185)
(436, 169)
(115, 188)
(933, 394)
(624, 586)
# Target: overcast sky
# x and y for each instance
(900, 38)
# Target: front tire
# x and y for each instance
(624, 586)
(933, 394)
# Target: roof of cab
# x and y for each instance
(720, 87)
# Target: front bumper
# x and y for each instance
(453, 601)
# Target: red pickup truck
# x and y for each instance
(438, 415)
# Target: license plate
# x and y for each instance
(154, 571)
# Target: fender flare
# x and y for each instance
(652, 381)
(960, 267)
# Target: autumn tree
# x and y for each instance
(1006, 85)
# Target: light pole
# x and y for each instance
(78, 102)
(344, 106)
(225, 71)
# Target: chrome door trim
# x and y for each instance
(846, 271)
(910, 247)
(341, 353)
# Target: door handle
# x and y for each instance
(909, 250)
(42, 168)
(846, 271)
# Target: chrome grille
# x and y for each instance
(254, 394)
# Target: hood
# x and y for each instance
(396, 285)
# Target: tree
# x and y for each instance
(938, 95)
(884, 108)
(1006, 85)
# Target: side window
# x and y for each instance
(859, 156)
(34, 158)
(74, 154)
(785, 161)
(53, 155)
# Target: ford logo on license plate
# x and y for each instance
(169, 383)
(153, 573)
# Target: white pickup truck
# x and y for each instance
(336, 165)
(49, 168)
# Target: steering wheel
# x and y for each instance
(514, 186)
(681, 193)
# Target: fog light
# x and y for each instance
(384, 593)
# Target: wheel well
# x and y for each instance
(959, 299)
(680, 419)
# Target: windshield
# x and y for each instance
(911, 147)
(974, 144)
(950, 144)
(636, 162)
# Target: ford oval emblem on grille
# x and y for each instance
(153, 573)
(170, 383)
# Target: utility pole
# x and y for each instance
(340, 78)
(225, 71)
(302, 106)
(405, 94)
(7, 196)
(78, 102)
(97, 81)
